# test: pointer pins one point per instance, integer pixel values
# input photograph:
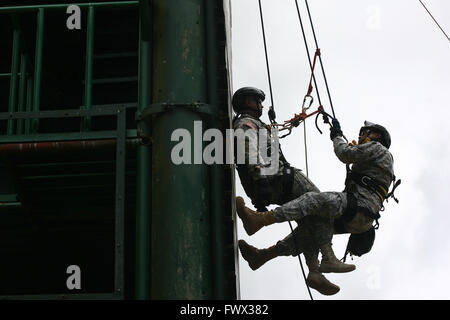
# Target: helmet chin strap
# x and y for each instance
(364, 141)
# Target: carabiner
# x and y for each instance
(304, 101)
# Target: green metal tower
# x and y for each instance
(85, 151)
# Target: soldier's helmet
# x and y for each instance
(385, 139)
(239, 96)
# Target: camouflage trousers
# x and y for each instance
(314, 212)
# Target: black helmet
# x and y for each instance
(240, 95)
(385, 139)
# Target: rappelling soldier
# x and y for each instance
(284, 185)
(369, 176)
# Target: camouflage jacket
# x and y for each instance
(371, 159)
(258, 157)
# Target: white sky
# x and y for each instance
(386, 62)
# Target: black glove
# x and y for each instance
(335, 130)
(271, 114)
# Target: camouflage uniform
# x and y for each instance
(250, 174)
(314, 230)
(371, 159)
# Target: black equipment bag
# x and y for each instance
(360, 243)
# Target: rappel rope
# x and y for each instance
(294, 122)
(437, 23)
(320, 59)
(271, 110)
(272, 117)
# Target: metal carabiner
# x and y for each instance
(289, 132)
(304, 101)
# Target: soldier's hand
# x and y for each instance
(335, 130)
(335, 123)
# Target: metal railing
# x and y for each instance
(24, 113)
(25, 83)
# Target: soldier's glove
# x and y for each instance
(335, 130)
(271, 114)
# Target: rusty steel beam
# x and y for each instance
(77, 146)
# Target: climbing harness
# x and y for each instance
(359, 244)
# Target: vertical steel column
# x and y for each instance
(181, 251)
(217, 171)
(38, 68)
(120, 202)
(29, 105)
(143, 175)
(86, 122)
(13, 79)
(22, 90)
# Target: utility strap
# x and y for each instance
(310, 87)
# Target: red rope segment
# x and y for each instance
(310, 87)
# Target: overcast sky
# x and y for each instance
(387, 62)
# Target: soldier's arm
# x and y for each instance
(349, 153)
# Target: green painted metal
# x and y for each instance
(117, 4)
(68, 176)
(180, 208)
(217, 170)
(8, 74)
(8, 198)
(69, 113)
(99, 110)
(86, 122)
(63, 164)
(120, 202)
(22, 90)
(13, 79)
(65, 136)
(29, 105)
(143, 183)
(197, 107)
(181, 251)
(38, 67)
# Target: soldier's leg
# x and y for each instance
(302, 184)
(323, 234)
(328, 205)
(292, 245)
(325, 207)
(304, 239)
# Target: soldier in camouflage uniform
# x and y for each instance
(351, 211)
(282, 186)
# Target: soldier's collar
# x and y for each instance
(244, 114)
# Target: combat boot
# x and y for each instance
(256, 257)
(317, 281)
(330, 263)
(252, 220)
